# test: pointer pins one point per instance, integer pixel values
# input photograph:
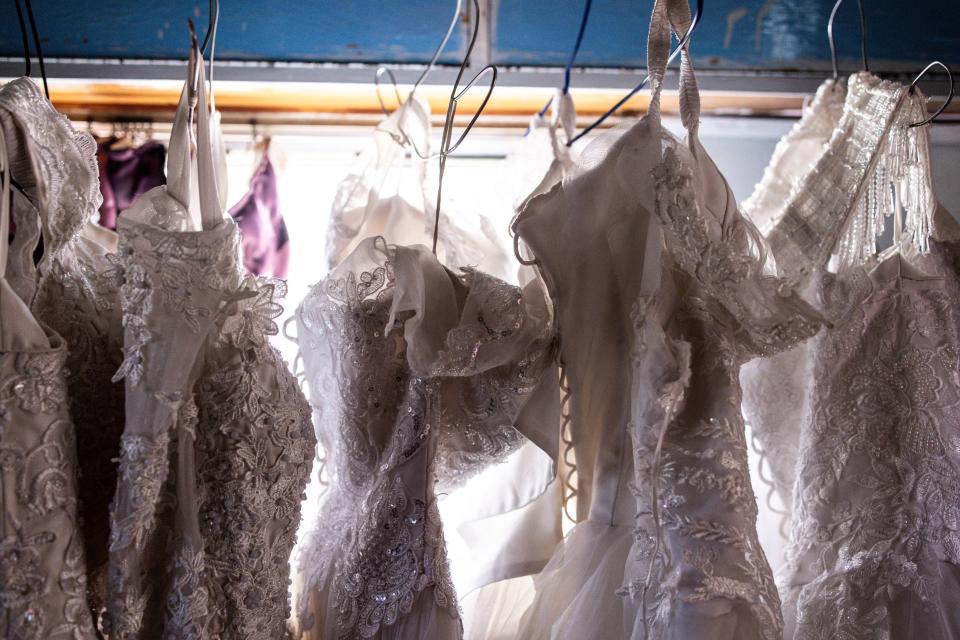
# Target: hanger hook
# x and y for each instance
(440, 47)
(24, 39)
(573, 56)
(213, 17)
(833, 44)
(456, 93)
(946, 103)
(36, 43)
(386, 71)
(694, 22)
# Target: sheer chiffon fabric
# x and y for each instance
(660, 296)
(218, 444)
(417, 375)
(386, 194)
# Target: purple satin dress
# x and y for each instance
(266, 246)
(127, 173)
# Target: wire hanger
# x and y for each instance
(946, 103)
(694, 22)
(573, 56)
(384, 70)
(446, 148)
(863, 38)
(36, 43)
(213, 22)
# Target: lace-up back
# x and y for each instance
(660, 298)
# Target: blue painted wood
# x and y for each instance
(289, 30)
(735, 34)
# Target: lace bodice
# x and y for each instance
(217, 445)
(872, 552)
(57, 168)
(43, 575)
(655, 273)
(418, 375)
(874, 546)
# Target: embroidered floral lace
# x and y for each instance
(418, 375)
(660, 296)
(57, 168)
(873, 546)
(218, 444)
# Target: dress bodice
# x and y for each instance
(418, 375)
(57, 168)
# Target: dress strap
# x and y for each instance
(194, 97)
(672, 16)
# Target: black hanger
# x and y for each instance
(612, 110)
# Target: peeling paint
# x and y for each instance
(758, 33)
(733, 17)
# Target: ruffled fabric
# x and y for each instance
(387, 195)
(423, 374)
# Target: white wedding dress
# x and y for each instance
(218, 445)
(873, 547)
(660, 297)
(43, 591)
(417, 376)
(57, 168)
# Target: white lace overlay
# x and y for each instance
(57, 168)
(410, 391)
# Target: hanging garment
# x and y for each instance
(660, 297)
(43, 586)
(489, 608)
(421, 374)
(217, 446)
(56, 166)
(874, 548)
(386, 195)
(774, 388)
(126, 174)
(263, 233)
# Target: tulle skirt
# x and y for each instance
(573, 598)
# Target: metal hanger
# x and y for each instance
(863, 38)
(573, 56)
(383, 70)
(946, 103)
(612, 110)
(213, 22)
(446, 148)
(36, 43)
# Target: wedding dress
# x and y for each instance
(43, 589)
(417, 375)
(57, 168)
(874, 547)
(386, 194)
(218, 445)
(774, 388)
(660, 298)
